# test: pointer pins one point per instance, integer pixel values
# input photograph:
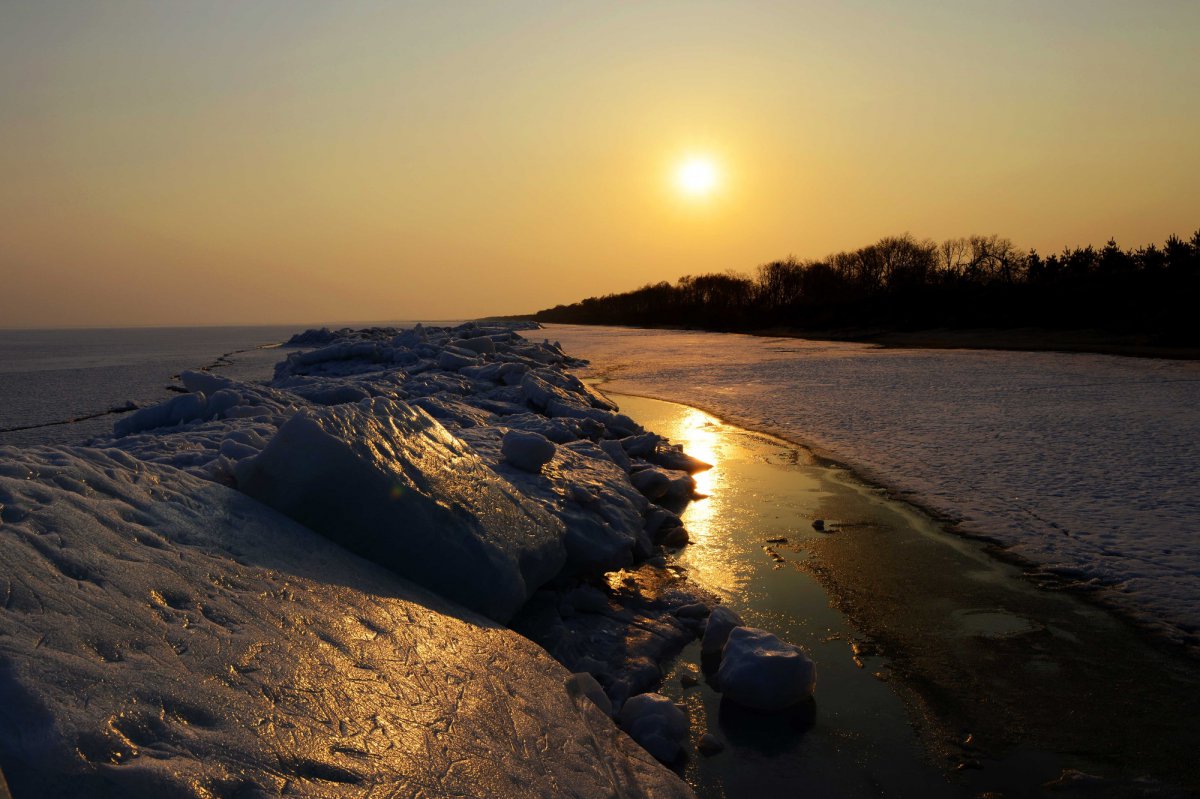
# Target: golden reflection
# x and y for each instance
(717, 523)
(699, 434)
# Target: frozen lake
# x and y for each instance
(1084, 465)
(48, 377)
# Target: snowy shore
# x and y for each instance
(1083, 465)
(299, 587)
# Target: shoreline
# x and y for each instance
(950, 525)
(990, 702)
(1016, 340)
(1001, 448)
(1023, 339)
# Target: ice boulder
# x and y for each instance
(657, 723)
(480, 344)
(761, 672)
(721, 621)
(653, 483)
(184, 408)
(391, 484)
(527, 450)
(453, 361)
(584, 684)
(709, 744)
(617, 453)
(540, 394)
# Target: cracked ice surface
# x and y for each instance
(164, 635)
(1086, 465)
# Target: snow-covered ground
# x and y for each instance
(181, 613)
(165, 636)
(1086, 465)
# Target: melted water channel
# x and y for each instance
(860, 741)
(941, 670)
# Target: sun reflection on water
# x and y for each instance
(709, 556)
(699, 434)
(728, 493)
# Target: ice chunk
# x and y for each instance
(450, 411)
(390, 483)
(452, 361)
(183, 408)
(480, 344)
(709, 744)
(720, 622)
(643, 445)
(673, 457)
(761, 672)
(693, 610)
(512, 374)
(539, 393)
(653, 483)
(657, 723)
(603, 533)
(584, 684)
(528, 451)
(614, 450)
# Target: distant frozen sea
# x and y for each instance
(1086, 465)
(53, 375)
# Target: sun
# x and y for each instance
(697, 176)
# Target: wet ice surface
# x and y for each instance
(857, 739)
(1083, 464)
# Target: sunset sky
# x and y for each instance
(287, 161)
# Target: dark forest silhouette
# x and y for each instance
(903, 284)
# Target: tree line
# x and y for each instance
(902, 283)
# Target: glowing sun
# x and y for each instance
(697, 176)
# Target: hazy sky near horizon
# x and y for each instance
(290, 161)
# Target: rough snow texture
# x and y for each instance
(164, 633)
(1085, 465)
(389, 483)
(165, 636)
(343, 400)
(761, 672)
(409, 424)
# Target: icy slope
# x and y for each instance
(1084, 464)
(390, 443)
(162, 635)
(388, 482)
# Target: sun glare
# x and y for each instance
(696, 176)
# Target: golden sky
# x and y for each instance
(286, 161)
